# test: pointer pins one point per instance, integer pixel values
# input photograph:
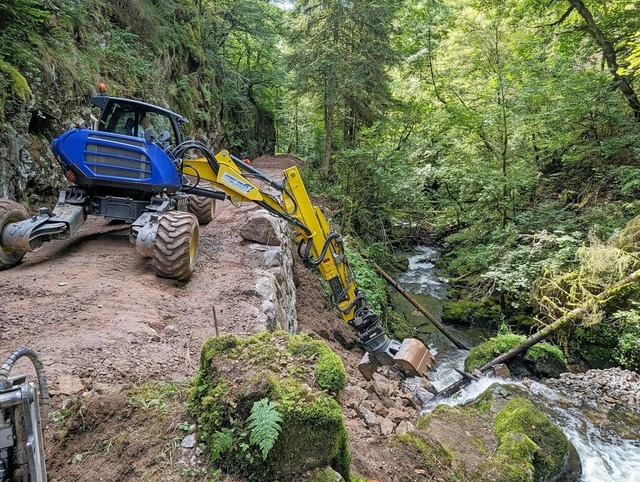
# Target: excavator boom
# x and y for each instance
(318, 245)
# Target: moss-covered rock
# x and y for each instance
(595, 345)
(487, 351)
(301, 375)
(499, 437)
(545, 360)
(469, 312)
(13, 86)
(552, 449)
(542, 360)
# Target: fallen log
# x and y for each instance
(537, 337)
(434, 321)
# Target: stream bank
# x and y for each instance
(598, 411)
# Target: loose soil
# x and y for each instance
(101, 320)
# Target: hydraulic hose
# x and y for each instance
(42, 378)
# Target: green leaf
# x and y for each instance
(264, 425)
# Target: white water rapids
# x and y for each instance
(606, 452)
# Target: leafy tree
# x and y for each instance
(339, 53)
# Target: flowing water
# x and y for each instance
(609, 450)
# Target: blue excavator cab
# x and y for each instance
(128, 148)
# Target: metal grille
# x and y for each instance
(117, 161)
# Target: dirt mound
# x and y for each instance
(281, 161)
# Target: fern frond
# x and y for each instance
(221, 442)
(264, 424)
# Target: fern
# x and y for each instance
(264, 424)
(221, 442)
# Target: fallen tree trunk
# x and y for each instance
(537, 337)
(434, 321)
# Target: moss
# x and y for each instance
(235, 373)
(542, 359)
(487, 351)
(512, 462)
(595, 344)
(330, 372)
(519, 416)
(433, 454)
(14, 88)
(545, 360)
(468, 312)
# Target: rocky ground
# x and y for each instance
(601, 390)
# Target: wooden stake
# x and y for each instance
(215, 319)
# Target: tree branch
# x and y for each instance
(560, 20)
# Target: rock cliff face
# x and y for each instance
(53, 57)
(28, 171)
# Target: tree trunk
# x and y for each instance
(610, 57)
(561, 322)
(328, 135)
(432, 319)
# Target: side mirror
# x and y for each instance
(164, 136)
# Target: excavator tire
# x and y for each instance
(176, 245)
(10, 212)
(203, 208)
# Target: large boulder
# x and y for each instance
(542, 360)
(501, 437)
(300, 377)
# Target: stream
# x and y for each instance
(609, 450)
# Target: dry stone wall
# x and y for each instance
(272, 244)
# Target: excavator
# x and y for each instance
(134, 163)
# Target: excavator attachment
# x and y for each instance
(411, 355)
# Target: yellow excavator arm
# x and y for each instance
(318, 245)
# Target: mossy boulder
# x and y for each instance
(469, 312)
(301, 375)
(500, 437)
(545, 360)
(527, 435)
(541, 360)
(595, 345)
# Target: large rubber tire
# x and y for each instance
(176, 245)
(203, 208)
(10, 212)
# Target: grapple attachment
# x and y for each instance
(412, 355)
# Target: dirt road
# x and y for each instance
(100, 319)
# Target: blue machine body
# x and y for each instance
(99, 158)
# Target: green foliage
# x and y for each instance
(154, 395)
(221, 442)
(627, 351)
(264, 425)
(373, 286)
(594, 345)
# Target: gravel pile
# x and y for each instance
(602, 389)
